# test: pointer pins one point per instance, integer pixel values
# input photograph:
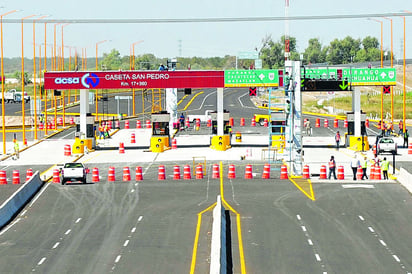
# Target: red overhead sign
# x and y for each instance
(133, 79)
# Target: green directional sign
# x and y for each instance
(370, 77)
(251, 78)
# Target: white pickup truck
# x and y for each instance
(74, 172)
(14, 96)
(201, 117)
(387, 144)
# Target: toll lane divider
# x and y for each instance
(405, 178)
(218, 253)
(19, 199)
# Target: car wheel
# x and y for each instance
(261, 122)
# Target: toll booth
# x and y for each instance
(359, 143)
(278, 129)
(84, 139)
(159, 141)
(221, 143)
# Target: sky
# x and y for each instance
(168, 40)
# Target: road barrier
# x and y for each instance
(95, 175)
(126, 174)
(139, 173)
(29, 174)
(266, 171)
(322, 172)
(187, 172)
(133, 138)
(232, 172)
(112, 176)
(215, 174)
(161, 175)
(3, 177)
(248, 172)
(218, 253)
(176, 172)
(56, 176)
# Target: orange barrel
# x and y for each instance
(117, 124)
(176, 172)
(187, 172)
(345, 123)
(111, 177)
(133, 138)
(126, 124)
(209, 123)
(335, 123)
(16, 177)
(148, 124)
(174, 143)
(198, 123)
(41, 126)
(138, 124)
(95, 175)
(121, 148)
(305, 174)
(265, 123)
(139, 173)
(231, 121)
(242, 122)
(60, 121)
(248, 172)
(67, 150)
(215, 174)
(3, 177)
(109, 125)
(284, 172)
(410, 148)
(341, 173)
(367, 123)
(325, 123)
(253, 123)
(359, 173)
(378, 175)
(374, 149)
(199, 172)
(161, 175)
(372, 173)
(71, 121)
(317, 124)
(29, 174)
(126, 174)
(322, 172)
(232, 172)
(187, 123)
(56, 176)
(266, 171)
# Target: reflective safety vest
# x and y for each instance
(365, 164)
(385, 165)
(332, 164)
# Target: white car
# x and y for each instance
(387, 144)
(74, 172)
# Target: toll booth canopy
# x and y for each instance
(351, 123)
(160, 123)
(226, 127)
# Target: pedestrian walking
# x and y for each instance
(385, 168)
(376, 160)
(354, 164)
(332, 167)
(16, 148)
(406, 139)
(101, 131)
(364, 168)
(337, 140)
(400, 125)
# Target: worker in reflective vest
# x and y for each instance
(364, 168)
(332, 167)
(385, 168)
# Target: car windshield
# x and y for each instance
(386, 141)
(73, 165)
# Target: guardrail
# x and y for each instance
(218, 254)
(19, 199)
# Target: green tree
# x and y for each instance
(343, 51)
(314, 53)
(112, 60)
(370, 43)
(17, 75)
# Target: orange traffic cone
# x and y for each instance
(67, 150)
(133, 138)
(29, 174)
(56, 176)
(253, 123)
(248, 172)
(284, 172)
(199, 172)
(232, 172)
(95, 175)
(16, 177)
(322, 172)
(187, 173)
(341, 173)
(306, 174)
(174, 143)
(126, 174)
(242, 122)
(326, 123)
(121, 148)
(161, 173)
(111, 177)
(139, 173)
(215, 174)
(317, 124)
(176, 172)
(359, 173)
(266, 171)
(138, 124)
(3, 177)
(126, 124)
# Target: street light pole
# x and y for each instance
(391, 88)
(132, 66)
(96, 101)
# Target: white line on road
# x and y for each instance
(78, 220)
(132, 191)
(140, 218)
(304, 228)
(41, 261)
(133, 229)
(7, 228)
(317, 257)
(126, 243)
(24, 212)
(396, 258)
(360, 217)
(56, 245)
(117, 259)
(298, 216)
(310, 242)
(382, 242)
(371, 229)
(68, 231)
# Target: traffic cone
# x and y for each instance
(109, 125)
(126, 124)
(60, 121)
(253, 123)
(111, 177)
(148, 124)
(126, 174)
(345, 123)
(232, 172)
(71, 121)
(209, 123)
(133, 138)
(325, 123)
(95, 175)
(248, 172)
(187, 173)
(176, 172)
(242, 122)
(41, 126)
(359, 173)
(266, 171)
(341, 173)
(29, 174)
(372, 173)
(410, 148)
(199, 171)
(197, 124)
(231, 121)
(161, 175)
(215, 174)
(56, 176)
(374, 149)
(187, 123)
(306, 174)
(3, 177)
(138, 124)
(367, 123)
(117, 124)
(265, 123)
(139, 173)
(16, 177)
(322, 172)
(284, 172)
(174, 143)
(67, 150)
(335, 123)
(317, 124)
(121, 148)
(378, 174)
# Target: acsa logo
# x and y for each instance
(68, 80)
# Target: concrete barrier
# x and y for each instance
(19, 199)
(405, 179)
(218, 254)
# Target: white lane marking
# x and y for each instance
(78, 220)
(140, 218)
(132, 191)
(24, 212)
(358, 186)
(396, 258)
(68, 231)
(304, 228)
(41, 261)
(371, 229)
(298, 216)
(360, 217)
(382, 242)
(317, 257)
(117, 259)
(67, 135)
(310, 242)
(56, 245)
(133, 229)
(10, 226)
(126, 243)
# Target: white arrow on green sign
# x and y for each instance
(251, 78)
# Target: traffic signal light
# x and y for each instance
(252, 91)
(386, 89)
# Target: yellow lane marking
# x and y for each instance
(181, 100)
(199, 222)
(190, 102)
(311, 195)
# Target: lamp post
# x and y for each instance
(391, 89)
(96, 101)
(133, 89)
(404, 73)
(2, 81)
(54, 67)
(62, 56)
